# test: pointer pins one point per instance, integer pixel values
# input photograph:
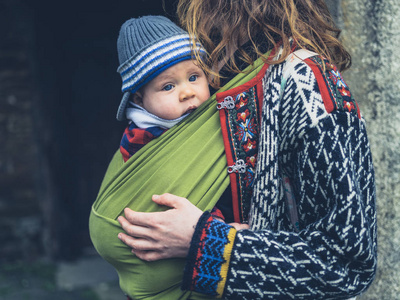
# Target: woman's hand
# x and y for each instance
(160, 235)
(239, 226)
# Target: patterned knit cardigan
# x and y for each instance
(313, 132)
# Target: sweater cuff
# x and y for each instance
(207, 263)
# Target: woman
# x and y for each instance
(307, 194)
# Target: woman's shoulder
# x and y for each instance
(319, 83)
(313, 92)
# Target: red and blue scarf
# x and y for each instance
(134, 138)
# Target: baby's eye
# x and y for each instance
(193, 78)
(168, 87)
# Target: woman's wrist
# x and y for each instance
(196, 238)
(209, 251)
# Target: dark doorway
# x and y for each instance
(76, 62)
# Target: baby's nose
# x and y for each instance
(186, 93)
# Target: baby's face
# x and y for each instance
(178, 90)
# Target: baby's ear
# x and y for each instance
(138, 98)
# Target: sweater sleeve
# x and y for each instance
(333, 256)
(209, 254)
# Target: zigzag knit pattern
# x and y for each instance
(209, 255)
(328, 159)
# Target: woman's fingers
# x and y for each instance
(142, 248)
(151, 219)
(159, 235)
(149, 255)
(168, 200)
(127, 239)
(139, 244)
(132, 229)
(140, 218)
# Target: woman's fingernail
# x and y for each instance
(120, 236)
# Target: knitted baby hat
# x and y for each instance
(146, 47)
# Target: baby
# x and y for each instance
(161, 82)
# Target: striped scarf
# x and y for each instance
(134, 138)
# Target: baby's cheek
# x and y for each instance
(171, 112)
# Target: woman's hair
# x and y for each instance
(224, 25)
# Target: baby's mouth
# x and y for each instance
(190, 109)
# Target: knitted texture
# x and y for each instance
(209, 256)
(137, 34)
(326, 154)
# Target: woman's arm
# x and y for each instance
(154, 236)
(333, 256)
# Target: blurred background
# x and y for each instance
(59, 93)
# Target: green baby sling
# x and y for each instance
(188, 161)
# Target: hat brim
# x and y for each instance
(122, 107)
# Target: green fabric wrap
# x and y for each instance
(189, 161)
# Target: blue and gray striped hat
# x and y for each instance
(146, 47)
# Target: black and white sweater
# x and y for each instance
(312, 132)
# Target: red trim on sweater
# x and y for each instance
(323, 88)
(230, 161)
(229, 151)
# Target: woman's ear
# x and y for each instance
(138, 98)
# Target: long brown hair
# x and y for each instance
(224, 25)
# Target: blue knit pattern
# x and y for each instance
(328, 159)
(203, 272)
(209, 271)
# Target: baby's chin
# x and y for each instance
(184, 114)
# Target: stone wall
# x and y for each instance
(371, 31)
(59, 92)
(21, 219)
